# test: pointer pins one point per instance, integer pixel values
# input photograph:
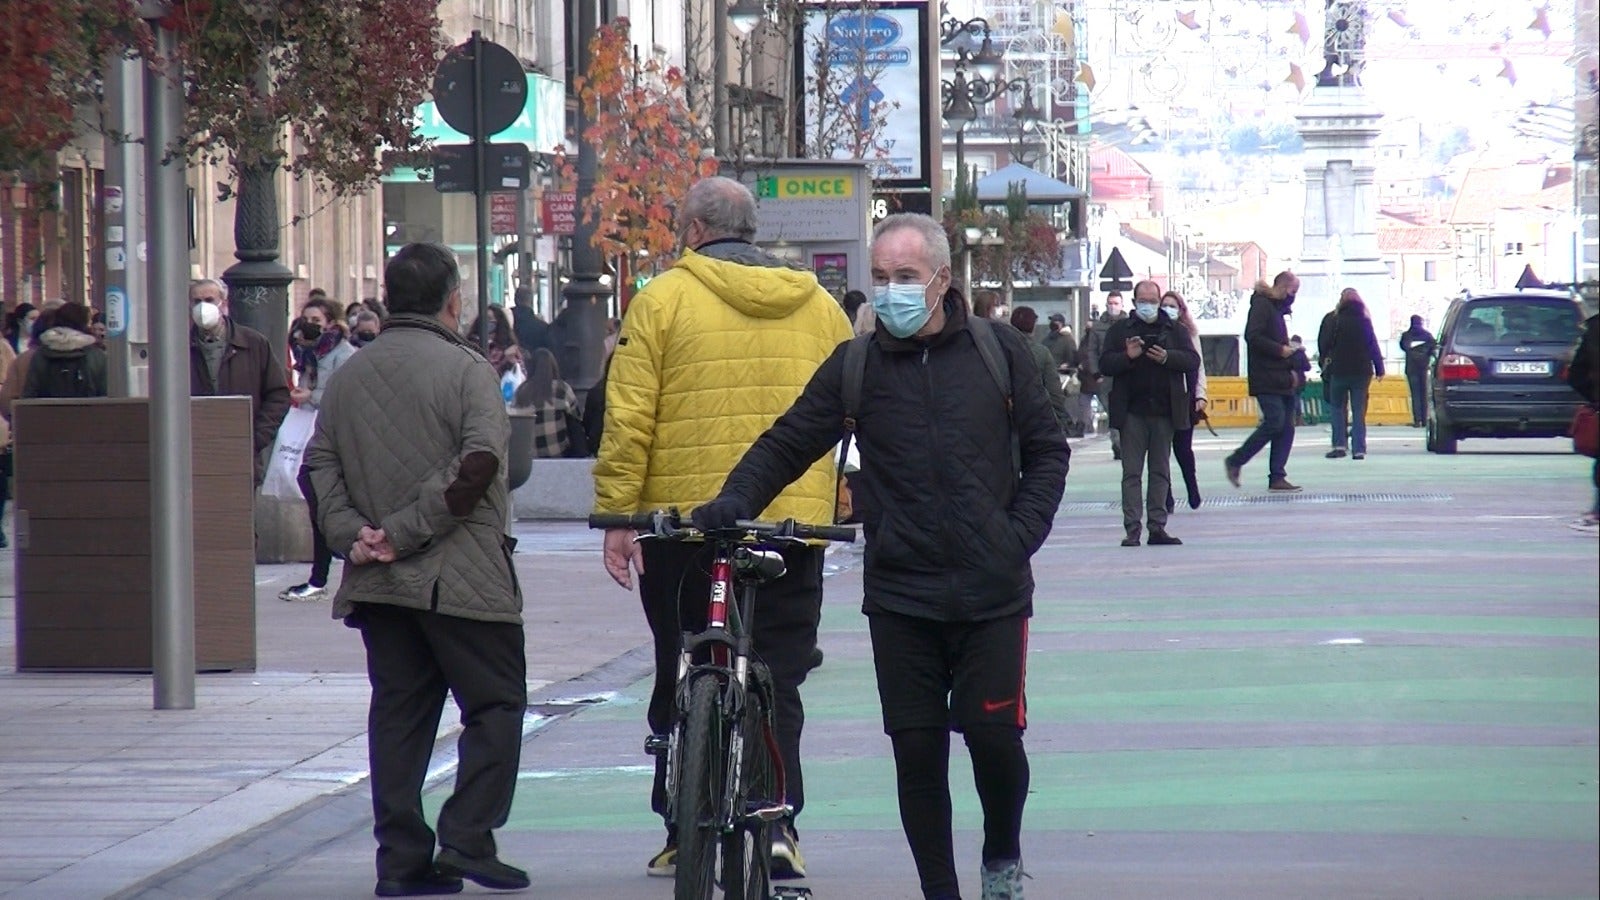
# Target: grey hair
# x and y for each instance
(724, 206)
(210, 282)
(936, 244)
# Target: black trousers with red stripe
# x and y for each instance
(935, 677)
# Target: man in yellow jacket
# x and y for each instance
(711, 353)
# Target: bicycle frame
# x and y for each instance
(738, 812)
(727, 638)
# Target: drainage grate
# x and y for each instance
(1258, 499)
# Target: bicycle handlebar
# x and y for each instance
(669, 524)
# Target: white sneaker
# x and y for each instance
(303, 592)
(1004, 882)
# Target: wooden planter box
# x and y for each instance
(82, 534)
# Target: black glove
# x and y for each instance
(721, 513)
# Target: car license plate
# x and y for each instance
(1522, 368)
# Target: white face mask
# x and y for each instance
(206, 315)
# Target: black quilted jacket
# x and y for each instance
(952, 528)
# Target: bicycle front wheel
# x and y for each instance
(700, 784)
(747, 850)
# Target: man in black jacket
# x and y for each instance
(1147, 356)
(1271, 381)
(948, 584)
(1417, 346)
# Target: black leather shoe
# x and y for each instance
(432, 884)
(488, 871)
(1132, 540)
(1160, 538)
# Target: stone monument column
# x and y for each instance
(1340, 127)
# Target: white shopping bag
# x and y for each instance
(283, 469)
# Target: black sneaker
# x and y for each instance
(1358, 456)
(1338, 453)
(1233, 472)
(1132, 540)
(1159, 538)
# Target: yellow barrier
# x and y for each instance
(1389, 402)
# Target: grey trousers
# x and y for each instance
(1146, 440)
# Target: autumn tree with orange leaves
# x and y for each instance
(647, 148)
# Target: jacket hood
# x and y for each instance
(749, 279)
(65, 340)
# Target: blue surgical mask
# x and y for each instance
(902, 308)
(1171, 311)
(1147, 311)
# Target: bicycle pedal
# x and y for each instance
(657, 744)
(789, 892)
(771, 812)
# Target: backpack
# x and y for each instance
(855, 367)
(63, 375)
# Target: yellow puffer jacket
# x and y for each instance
(711, 353)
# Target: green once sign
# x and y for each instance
(542, 125)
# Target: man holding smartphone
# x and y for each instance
(1147, 355)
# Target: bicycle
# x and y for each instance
(724, 773)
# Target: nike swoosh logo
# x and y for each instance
(993, 706)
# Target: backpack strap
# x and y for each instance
(855, 368)
(995, 360)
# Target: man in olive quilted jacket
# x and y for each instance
(408, 470)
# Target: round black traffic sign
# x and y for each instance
(505, 87)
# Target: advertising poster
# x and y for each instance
(875, 62)
(833, 272)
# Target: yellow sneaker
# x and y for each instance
(665, 863)
(787, 860)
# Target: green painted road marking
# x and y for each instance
(1545, 793)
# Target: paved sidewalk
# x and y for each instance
(1385, 687)
(98, 791)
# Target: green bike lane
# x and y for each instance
(1386, 687)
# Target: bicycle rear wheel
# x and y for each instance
(700, 784)
(747, 850)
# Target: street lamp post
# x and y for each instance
(975, 236)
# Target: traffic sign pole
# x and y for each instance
(480, 151)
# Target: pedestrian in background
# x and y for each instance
(366, 328)
(984, 304)
(503, 352)
(950, 535)
(229, 359)
(68, 361)
(557, 421)
(1351, 357)
(532, 332)
(852, 302)
(408, 472)
(1584, 377)
(1271, 382)
(712, 351)
(1174, 308)
(1025, 320)
(1149, 358)
(322, 349)
(1094, 349)
(1416, 346)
